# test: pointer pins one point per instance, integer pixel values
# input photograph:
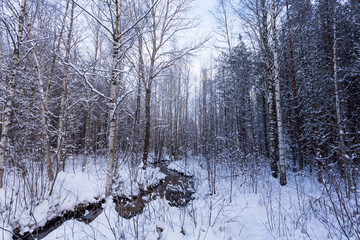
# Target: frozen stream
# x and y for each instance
(177, 189)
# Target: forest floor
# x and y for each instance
(259, 208)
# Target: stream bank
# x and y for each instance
(176, 188)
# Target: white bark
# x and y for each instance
(113, 95)
(3, 80)
(119, 39)
(269, 89)
(282, 162)
(10, 96)
(44, 110)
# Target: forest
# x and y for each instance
(109, 131)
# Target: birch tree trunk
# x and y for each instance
(278, 98)
(44, 109)
(4, 141)
(113, 95)
(3, 81)
(269, 90)
(116, 33)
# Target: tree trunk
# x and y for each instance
(264, 120)
(3, 82)
(147, 126)
(269, 91)
(278, 99)
(113, 95)
(4, 141)
(44, 107)
(294, 95)
(345, 161)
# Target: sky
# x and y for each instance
(204, 57)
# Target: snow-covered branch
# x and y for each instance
(86, 80)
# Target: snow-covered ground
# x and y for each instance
(25, 202)
(260, 209)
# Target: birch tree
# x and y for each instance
(17, 42)
(113, 94)
(122, 36)
(112, 27)
(268, 84)
(277, 95)
(264, 14)
(43, 104)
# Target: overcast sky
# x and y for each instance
(202, 9)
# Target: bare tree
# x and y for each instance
(42, 93)
(167, 20)
(122, 35)
(17, 42)
(277, 95)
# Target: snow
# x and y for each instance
(182, 166)
(72, 187)
(130, 181)
(269, 212)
